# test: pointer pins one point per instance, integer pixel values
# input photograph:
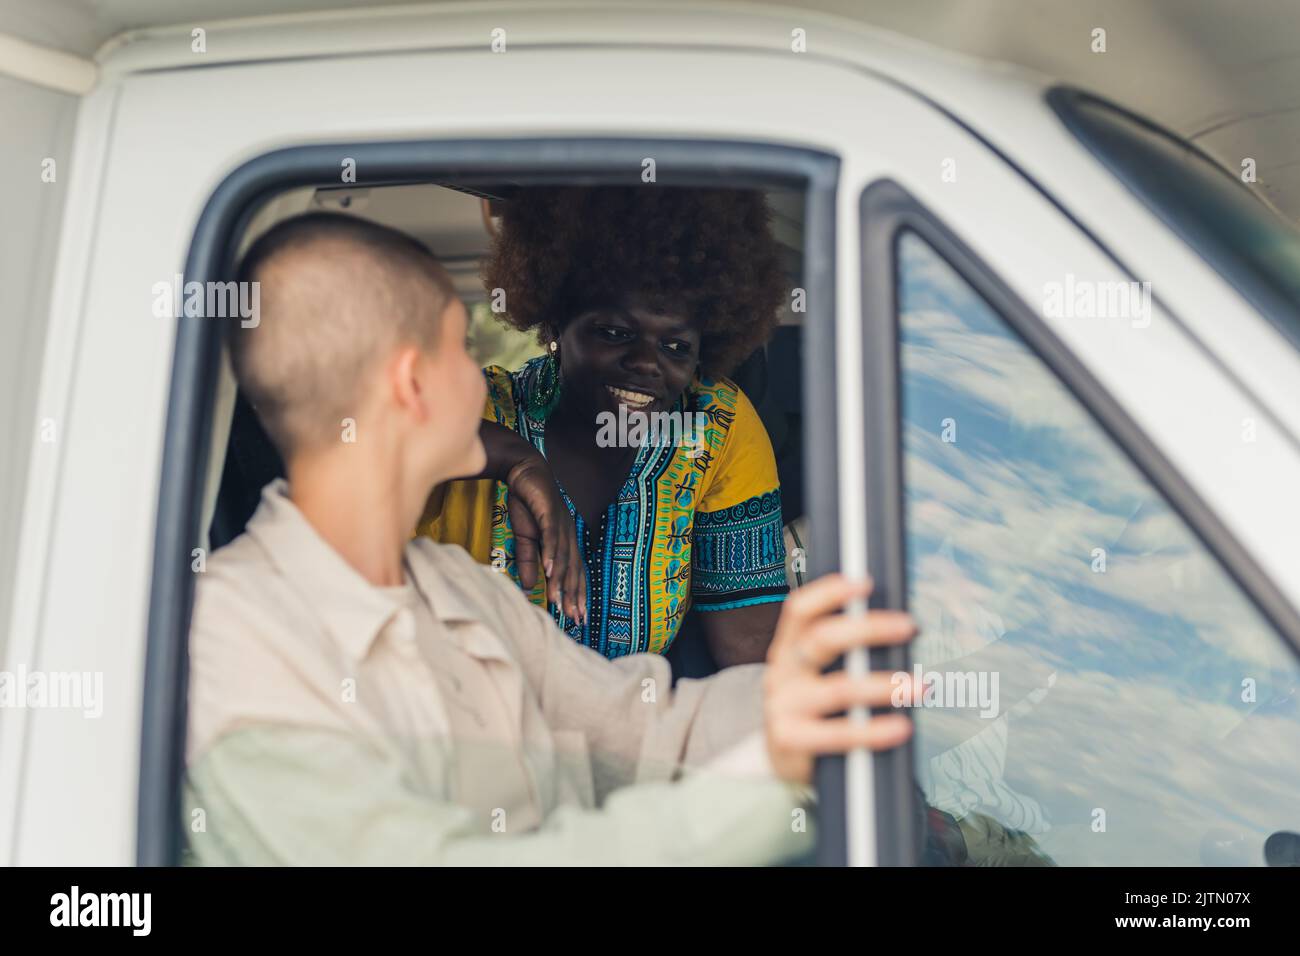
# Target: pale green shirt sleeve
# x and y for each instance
(283, 767)
(310, 797)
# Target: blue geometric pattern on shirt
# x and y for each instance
(737, 549)
(618, 552)
(616, 570)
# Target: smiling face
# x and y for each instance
(626, 354)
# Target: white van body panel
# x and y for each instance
(161, 132)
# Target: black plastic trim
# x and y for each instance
(821, 484)
(1281, 312)
(898, 826)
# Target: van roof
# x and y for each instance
(1218, 74)
(346, 27)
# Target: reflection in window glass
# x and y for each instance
(1097, 690)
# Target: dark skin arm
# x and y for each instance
(740, 635)
(505, 449)
(545, 537)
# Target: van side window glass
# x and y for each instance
(1094, 688)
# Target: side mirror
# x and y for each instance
(1282, 849)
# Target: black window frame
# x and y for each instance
(886, 211)
(191, 393)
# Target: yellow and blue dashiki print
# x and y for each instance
(694, 525)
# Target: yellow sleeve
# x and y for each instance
(737, 545)
(746, 466)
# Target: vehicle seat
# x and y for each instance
(251, 463)
(772, 379)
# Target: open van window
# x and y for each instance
(456, 220)
(742, 557)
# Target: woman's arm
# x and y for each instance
(740, 635)
(545, 537)
(506, 450)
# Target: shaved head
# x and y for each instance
(338, 295)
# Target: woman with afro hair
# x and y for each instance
(644, 299)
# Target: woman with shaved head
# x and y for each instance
(361, 697)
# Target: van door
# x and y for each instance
(1102, 681)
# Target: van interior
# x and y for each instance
(456, 223)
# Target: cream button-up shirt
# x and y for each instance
(449, 721)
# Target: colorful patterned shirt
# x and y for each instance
(697, 523)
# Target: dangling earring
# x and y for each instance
(546, 391)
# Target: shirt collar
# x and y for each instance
(453, 602)
(351, 609)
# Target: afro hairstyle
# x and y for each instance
(707, 253)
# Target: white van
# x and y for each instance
(1042, 382)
